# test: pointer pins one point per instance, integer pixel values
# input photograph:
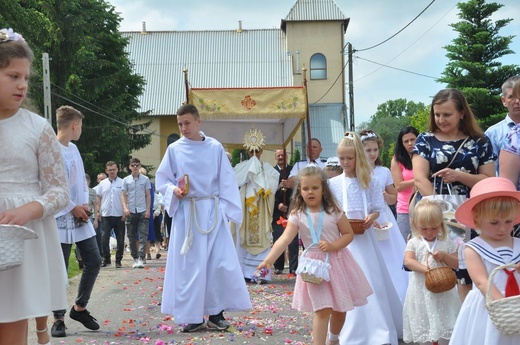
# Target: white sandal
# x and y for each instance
(43, 331)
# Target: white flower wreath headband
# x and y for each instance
(368, 136)
(10, 35)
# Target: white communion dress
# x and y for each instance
(380, 321)
(393, 247)
(31, 169)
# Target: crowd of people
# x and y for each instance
(363, 271)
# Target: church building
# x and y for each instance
(310, 37)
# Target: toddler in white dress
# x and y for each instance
(429, 317)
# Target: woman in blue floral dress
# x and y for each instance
(452, 124)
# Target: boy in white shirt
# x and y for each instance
(73, 221)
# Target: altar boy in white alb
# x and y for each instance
(203, 276)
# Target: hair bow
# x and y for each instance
(349, 136)
(10, 35)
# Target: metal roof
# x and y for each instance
(313, 10)
(231, 58)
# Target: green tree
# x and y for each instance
(296, 157)
(389, 119)
(397, 108)
(421, 120)
(474, 67)
(26, 18)
(235, 157)
(89, 70)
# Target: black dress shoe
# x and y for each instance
(58, 329)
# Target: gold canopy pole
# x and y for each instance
(307, 117)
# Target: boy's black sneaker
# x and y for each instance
(58, 329)
(118, 264)
(85, 318)
(218, 322)
(193, 327)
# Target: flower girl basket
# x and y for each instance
(312, 270)
(503, 312)
(12, 239)
(439, 279)
(357, 225)
(381, 231)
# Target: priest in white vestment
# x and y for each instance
(258, 182)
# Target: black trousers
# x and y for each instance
(293, 250)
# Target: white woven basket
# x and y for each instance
(312, 270)
(382, 233)
(12, 239)
(503, 312)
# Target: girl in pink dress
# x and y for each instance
(319, 220)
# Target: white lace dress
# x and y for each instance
(31, 169)
(428, 316)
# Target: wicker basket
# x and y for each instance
(312, 270)
(12, 239)
(357, 226)
(439, 279)
(503, 312)
(308, 278)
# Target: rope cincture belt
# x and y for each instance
(188, 240)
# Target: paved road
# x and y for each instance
(126, 302)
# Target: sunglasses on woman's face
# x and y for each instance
(135, 165)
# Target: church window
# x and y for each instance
(318, 66)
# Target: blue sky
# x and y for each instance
(417, 49)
